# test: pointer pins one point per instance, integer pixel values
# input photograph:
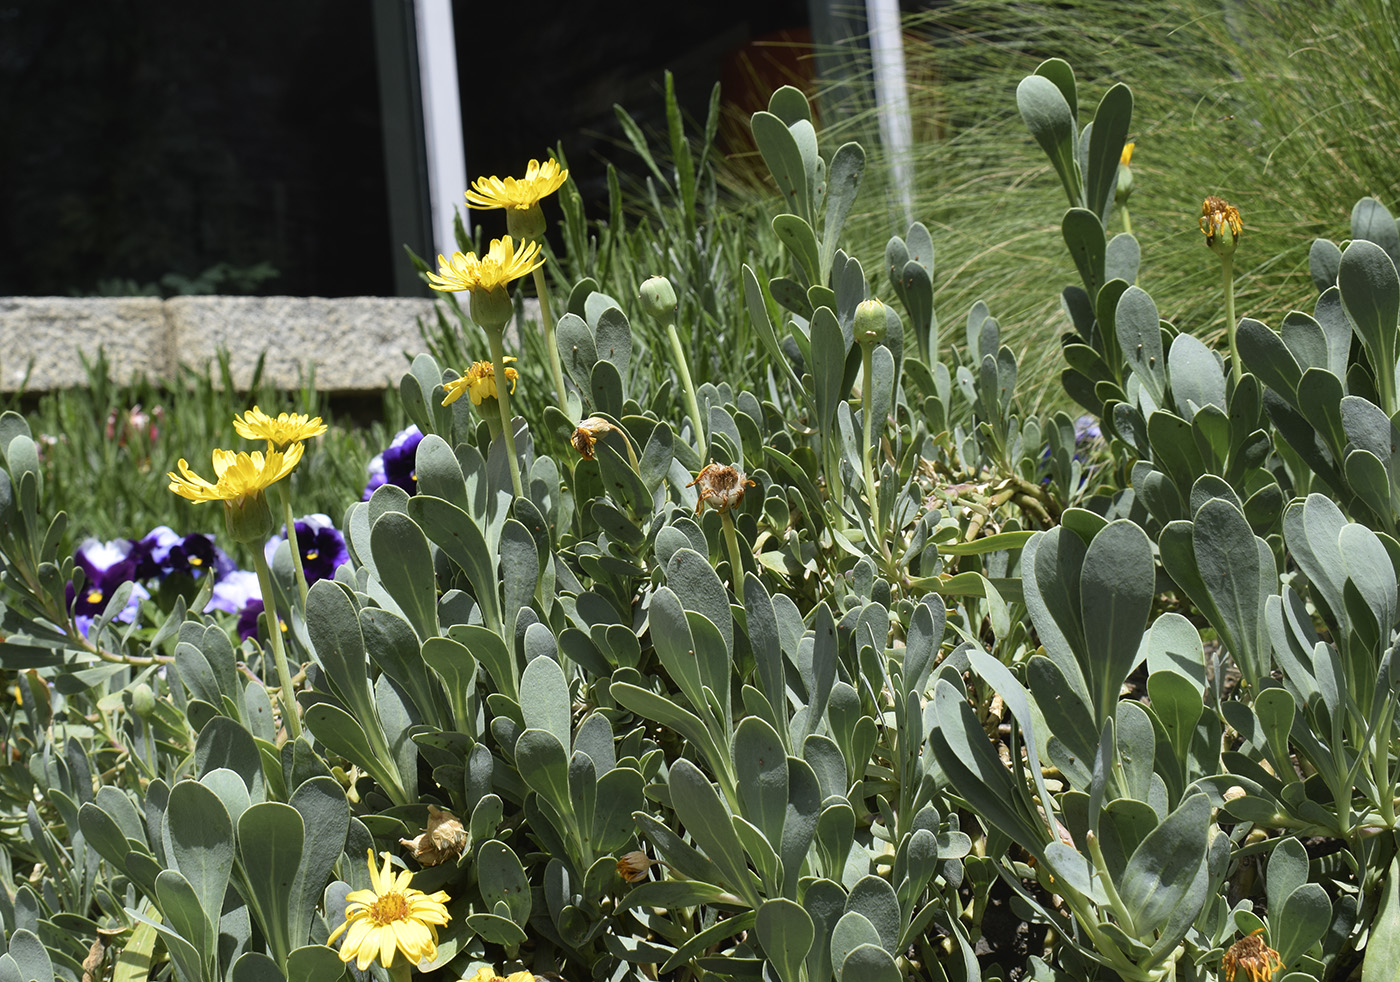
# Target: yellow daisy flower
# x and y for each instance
(499, 266)
(285, 428)
(479, 383)
(390, 917)
(236, 475)
(540, 181)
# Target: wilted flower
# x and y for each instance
(390, 917)
(1252, 956)
(321, 543)
(540, 181)
(720, 486)
(278, 431)
(587, 433)
(397, 465)
(479, 382)
(633, 866)
(1218, 216)
(443, 838)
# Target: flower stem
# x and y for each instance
(731, 539)
(691, 402)
(1236, 369)
(867, 462)
(498, 355)
(555, 366)
(1127, 222)
(279, 651)
(286, 497)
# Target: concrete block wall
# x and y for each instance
(357, 343)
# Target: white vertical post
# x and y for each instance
(892, 98)
(442, 118)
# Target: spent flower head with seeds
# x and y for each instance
(719, 486)
(279, 430)
(479, 382)
(390, 917)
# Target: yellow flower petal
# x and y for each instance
(392, 917)
(285, 428)
(238, 475)
(499, 266)
(540, 181)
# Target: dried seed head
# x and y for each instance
(720, 486)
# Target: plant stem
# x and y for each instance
(1127, 222)
(691, 402)
(556, 367)
(286, 497)
(866, 461)
(1236, 369)
(279, 651)
(731, 539)
(498, 356)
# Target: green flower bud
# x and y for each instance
(248, 518)
(526, 224)
(870, 323)
(492, 309)
(1125, 186)
(659, 297)
(141, 700)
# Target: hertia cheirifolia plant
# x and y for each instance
(861, 673)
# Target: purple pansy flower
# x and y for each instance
(106, 566)
(1086, 428)
(397, 464)
(233, 592)
(322, 547)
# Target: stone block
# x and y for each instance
(43, 336)
(357, 343)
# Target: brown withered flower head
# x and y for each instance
(587, 432)
(633, 866)
(1218, 216)
(1252, 956)
(719, 486)
(444, 838)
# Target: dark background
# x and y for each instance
(154, 147)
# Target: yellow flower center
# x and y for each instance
(94, 597)
(392, 906)
(196, 561)
(312, 554)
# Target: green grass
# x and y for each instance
(118, 487)
(1291, 111)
